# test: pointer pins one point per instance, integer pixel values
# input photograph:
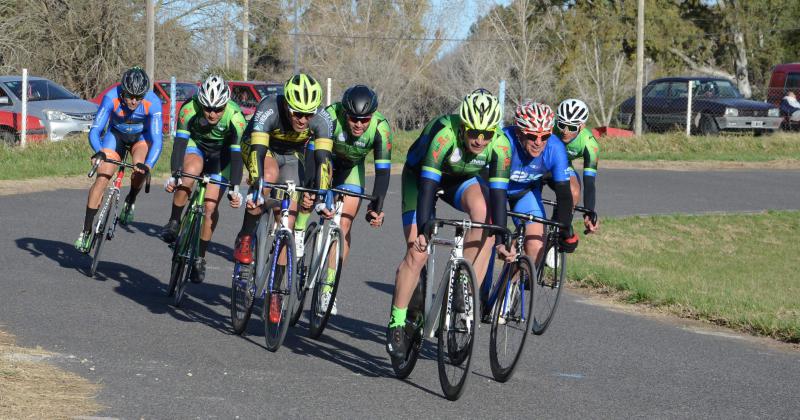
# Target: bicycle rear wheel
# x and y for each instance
(511, 318)
(321, 313)
(101, 228)
(456, 334)
(304, 270)
(281, 293)
(414, 324)
(549, 282)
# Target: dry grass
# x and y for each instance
(32, 388)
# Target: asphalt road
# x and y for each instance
(155, 361)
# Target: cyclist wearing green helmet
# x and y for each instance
(450, 154)
(274, 146)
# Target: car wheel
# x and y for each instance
(8, 138)
(763, 132)
(646, 128)
(708, 127)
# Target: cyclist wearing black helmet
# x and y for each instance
(129, 118)
(358, 130)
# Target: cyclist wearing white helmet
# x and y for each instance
(572, 115)
(450, 154)
(207, 140)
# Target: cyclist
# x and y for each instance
(207, 140)
(275, 142)
(536, 152)
(572, 115)
(129, 118)
(359, 129)
(449, 154)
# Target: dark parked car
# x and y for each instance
(716, 105)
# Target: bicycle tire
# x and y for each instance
(243, 291)
(414, 324)
(101, 231)
(191, 246)
(515, 306)
(318, 319)
(177, 250)
(284, 291)
(456, 332)
(303, 268)
(549, 283)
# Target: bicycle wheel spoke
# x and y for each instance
(457, 330)
(510, 320)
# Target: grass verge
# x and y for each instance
(735, 270)
(32, 388)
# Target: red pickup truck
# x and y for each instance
(11, 129)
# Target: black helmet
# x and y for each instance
(359, 101)
(135, 82)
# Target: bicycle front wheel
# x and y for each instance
(324, 295)
(304, 270)
(551, 273)
(511, 318)
(457, 324)
(188, 256)
(243, 292)
(101, 228)
(281, 291)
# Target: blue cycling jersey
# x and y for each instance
(145, 120)
(525, 170)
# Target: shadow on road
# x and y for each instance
(382, 287)
(154, 231)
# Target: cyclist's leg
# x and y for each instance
(410, 267)
(242, 249)
(470, 198)
(350, 179)
(531, 203)
(104, 173)
(303, 213)
(138, 155)
(193, 165)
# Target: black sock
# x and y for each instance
(131, 198)
(248, 224)
(176, 213)
(87, 221)
(203, 248)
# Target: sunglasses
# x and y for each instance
(214, 110)
(364, 120)
(300, 115)
(536, 137)
(133, 97)
(474, 134)
(567, 127)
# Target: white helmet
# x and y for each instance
(214, 92)
(572, 112)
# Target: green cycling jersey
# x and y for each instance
(350, 150)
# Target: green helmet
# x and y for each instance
(302, 93)
(480, 110)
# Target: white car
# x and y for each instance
(61, 111)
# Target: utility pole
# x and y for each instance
(227, 42)
(150, 54)
(295, 37)
(639, 66)
(245, 37)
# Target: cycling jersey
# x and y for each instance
(439, 156)
(349, 153)
(270, 130)
(222, 139)
(586, 146)
(115, 118)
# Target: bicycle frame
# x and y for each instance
(289, 191)
(113, 191)
(322, 248)
(434, 301)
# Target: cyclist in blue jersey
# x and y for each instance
(536, 151)
(129, 118)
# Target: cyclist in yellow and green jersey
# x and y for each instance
(358, 131)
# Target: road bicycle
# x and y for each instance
(324, 246)
(449, 312)
(186, 248)
(551, 273)
(107, 217)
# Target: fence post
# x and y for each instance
(172, 106)
(501, 97)
(23, 137)
(689, 110)
(328, 101)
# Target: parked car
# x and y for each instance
(183, 92)
(716, 105)
(11, 128)
(785, 78)
(61, 111)
(248, 94)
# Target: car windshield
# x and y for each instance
(264, 90)
(714, 89)
(40, 90)
(183, 91)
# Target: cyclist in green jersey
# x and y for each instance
(450, 154)
(358, 130)
(209, 131)
(571, 119)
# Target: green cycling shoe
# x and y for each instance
(83, 242)
(126, 215)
